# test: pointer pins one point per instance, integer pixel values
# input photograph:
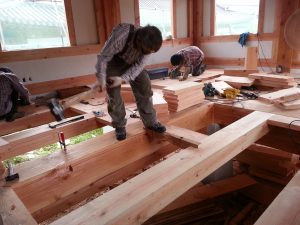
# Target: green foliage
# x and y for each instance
(48, 149)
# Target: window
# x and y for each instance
(33, 24)
(157, 13)
(236, 16)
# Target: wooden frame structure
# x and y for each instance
(50, 184)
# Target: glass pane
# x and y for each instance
(32, 24)
(157, 13)
(236, 17)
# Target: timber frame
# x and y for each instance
(51, 184)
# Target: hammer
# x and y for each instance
(57, 107)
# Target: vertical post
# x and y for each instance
(251, 58)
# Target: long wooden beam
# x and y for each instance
(285, 208)
(12, 210)
(146, 194)
(58, 174)
(28, 140)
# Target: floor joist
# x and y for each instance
(160, 185)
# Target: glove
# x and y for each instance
(102, 82)
(113, 82)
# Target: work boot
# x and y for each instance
(157, 127)
(16, 115)
(120, 133)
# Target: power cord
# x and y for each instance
(290, 131)
(262, 50)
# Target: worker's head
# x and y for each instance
(148, 39)
(176, 59)
(6, 70)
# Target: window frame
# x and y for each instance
(261, 15)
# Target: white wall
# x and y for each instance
(86, 33)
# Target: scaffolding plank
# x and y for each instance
(160, 185)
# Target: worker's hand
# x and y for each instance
(113, 82)
(96, 87)
(101, 82)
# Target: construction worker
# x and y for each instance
(122, 59)
(12, 94)
(187, 60)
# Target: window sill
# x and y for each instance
(46, 53)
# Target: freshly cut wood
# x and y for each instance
(289, 105)
(182, 87)
(285, 208)
(12, 210)
(251, 58)
(239, 73)
(277, 95)
(267, 175)
(271, 77)
(291, 123)
(236, 82)
(271, 152)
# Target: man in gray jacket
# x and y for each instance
(122, 59)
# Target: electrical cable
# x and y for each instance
(262, 50)
(290, 131)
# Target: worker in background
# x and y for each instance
(12, 94)
(187, 60)
(122, 59)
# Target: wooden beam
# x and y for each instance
(28, 140)
(285, 208)
(70, 22)
(261, 16)
(12, 210)
(161, 184)
(251, 58)
(285, 122)
(284, 52)
(100, 21)
(137, 19)
(100, 185)
(173, 19)
(212, 17)
(202, 192)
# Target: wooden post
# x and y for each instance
(251, 58)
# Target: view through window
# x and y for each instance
(157, 13)
(236, 16)
(33, 24)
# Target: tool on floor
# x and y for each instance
(231, 93)
(99, 113)
(57, 107)
(11, 175)
(209, 90)
(62, 141)
(65, 121)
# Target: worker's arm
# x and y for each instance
(112, 46)
(135, 70)
(19, 87)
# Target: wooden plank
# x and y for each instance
(185, 136)
(271, 77)
(161, 184)
(271, 152)
(70, 21)
(12, 210)
(285, 122)
(239, 73)
(28, 140)
(251, 58)
(235, 81)
(60, 171)
(285, 208)
(201, 193)
(277, 95)
(289, 105)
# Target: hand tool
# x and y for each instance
(11, 175)
(62, 141)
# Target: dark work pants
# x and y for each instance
(142, 91)
(14, 108)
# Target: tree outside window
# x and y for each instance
(157, 13)
(236, 17)
(33, 24)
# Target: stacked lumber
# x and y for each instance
(269, 163)
(239, 73)
(183, 95)
(273, 80)
(160, 106)
(236, 82)
(286, 98)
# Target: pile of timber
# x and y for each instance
(236, 82)
(285, 99)
(183, 95)
(269, 163)
(273, 80)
